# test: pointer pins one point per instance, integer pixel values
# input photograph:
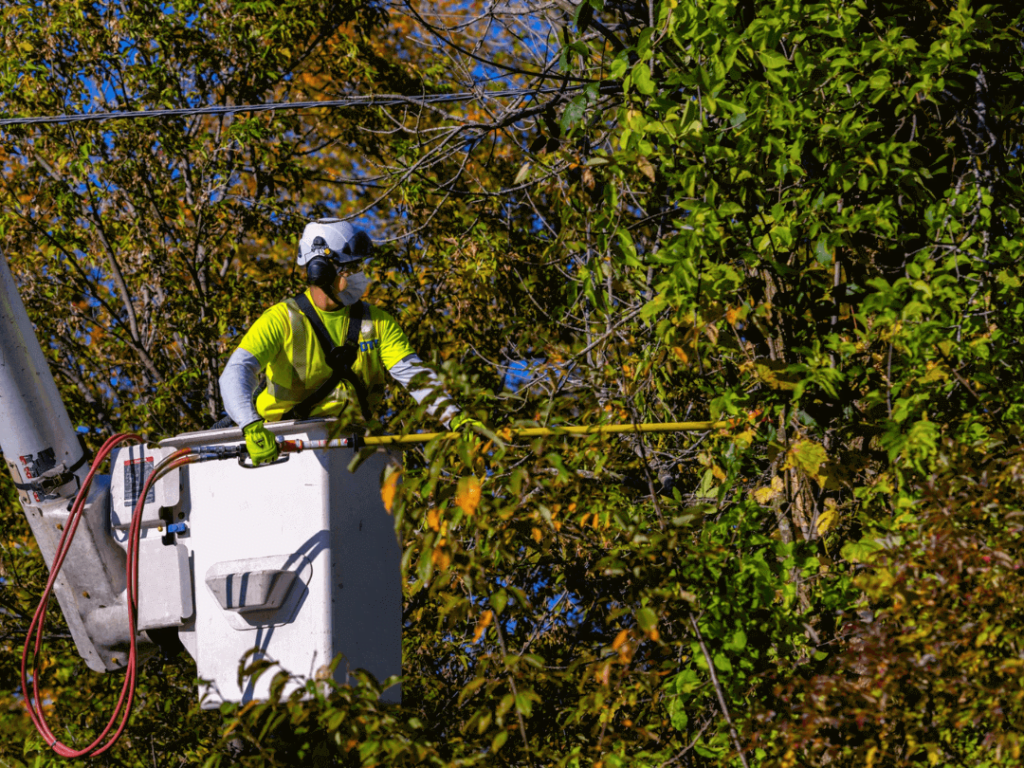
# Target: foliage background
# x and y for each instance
(801, 217)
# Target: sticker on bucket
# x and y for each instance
(135, 473)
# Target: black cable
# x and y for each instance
(382, 100)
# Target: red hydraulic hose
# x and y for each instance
(34, 638)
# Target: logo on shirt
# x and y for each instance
(366, 346)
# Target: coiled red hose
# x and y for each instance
(34, 637)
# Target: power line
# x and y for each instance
(380, 100)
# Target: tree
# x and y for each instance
(934, 674)
(797, 218)
(147, 229)
(828, 211)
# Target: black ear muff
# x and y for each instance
(320, 272)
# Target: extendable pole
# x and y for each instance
(597, 429)
(508, 433)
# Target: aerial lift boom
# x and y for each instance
(297, 563)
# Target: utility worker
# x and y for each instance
(324, 351)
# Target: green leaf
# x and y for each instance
(822, 253)
(647, 619)
(619, 67)
(862, 551)
(505, 704)
(498, 601)
(499, 741)
(641, 78)
(573, 112)
(772, 60)
(524, 703)
(738, 641)
(474, 685)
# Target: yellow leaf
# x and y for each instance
(482, 625)
(809, 457)
(389, 487)
(468, 494)
(731, 315)
(645, 167)
(769, 492)
(719, 473)
(441, 557)
(935, 372)
(620, 639)
(678, 351)
(434, 519)
(828, 519)
(626, 651)
(769, 377)
(537, 535)
(745, 438)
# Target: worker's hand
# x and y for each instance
(463, 422)
(260, 442)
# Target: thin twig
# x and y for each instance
(718, 690)
(680, 755)
(512, 684)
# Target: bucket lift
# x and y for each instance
(296, 562)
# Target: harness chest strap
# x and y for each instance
(340, 359)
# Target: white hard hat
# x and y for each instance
(345, 242)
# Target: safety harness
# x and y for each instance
(339, 358)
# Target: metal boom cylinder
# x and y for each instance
(47, 462)
(35, 431)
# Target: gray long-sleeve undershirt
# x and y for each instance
(241, 376)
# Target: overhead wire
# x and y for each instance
(376, 100)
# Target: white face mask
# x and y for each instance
(354, 290)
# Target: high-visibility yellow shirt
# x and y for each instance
(283, 342)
